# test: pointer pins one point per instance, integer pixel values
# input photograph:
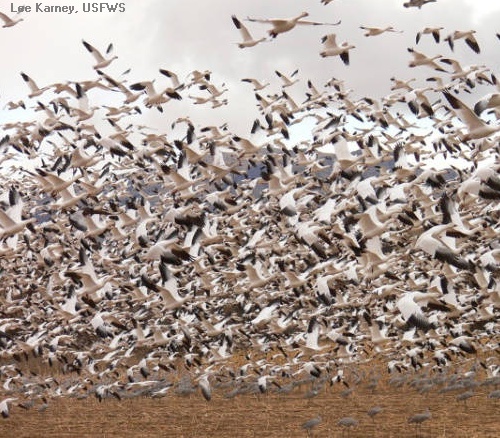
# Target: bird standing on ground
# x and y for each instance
(418, 419)
(309, 425)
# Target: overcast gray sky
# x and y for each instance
(196, 34)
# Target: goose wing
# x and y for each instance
(242, 28)
(95, 53)
(464, 113)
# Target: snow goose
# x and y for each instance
(155, 98)
(476, 128)
(331, 48)
(34, 88)
(469, 37)
(266, 314)
(84, 111)
(68, 198)
(169, 292)
(282, 25)
(129, 96)
(4, 406)
(374, 31)
(172, 92)
(417, 3)
(9, 22)
(102, 62)
(312, 336)
(12, 223)
(248, 40)
(410, 305)
(398, 84)
(435, 243)
(257, 85)
(434, 31)
(419, 59)
(287, 81)
(467, 74)
(489, 101)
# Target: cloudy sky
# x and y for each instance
(199, 35)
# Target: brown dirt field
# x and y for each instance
(263, 415)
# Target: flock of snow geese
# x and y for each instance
(132, 257)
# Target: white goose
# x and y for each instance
(419, 59)
(257, 85)
(34, 88)
(9, 22)
(331, 48)
(12, 223)
(155, 98)
(476, 128)
(469, 37)
(282, 25)
(4, 406)
(434, 31)
(129, 96)
(287, 81)
(248, 40)
(410, 307)
(374, 31)
(102, 62)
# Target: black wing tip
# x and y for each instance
(87, 45)
(236, 22)
(344, 56)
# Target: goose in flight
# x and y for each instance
(475, 126)
(491, 100)
(420, 59)
(469, 37)
(257, 85)
(9, 22)
(11, 221)
(434, 31)
(4, 406)
(410, 305)
(417, 3)
(331, 48)
(401, 84)
(437, 244)
(248, 40)
(287, 81)
(282, 25)
(374, 31)
(102, 62)
(34, 88)
(155, 98)
(129, 96)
